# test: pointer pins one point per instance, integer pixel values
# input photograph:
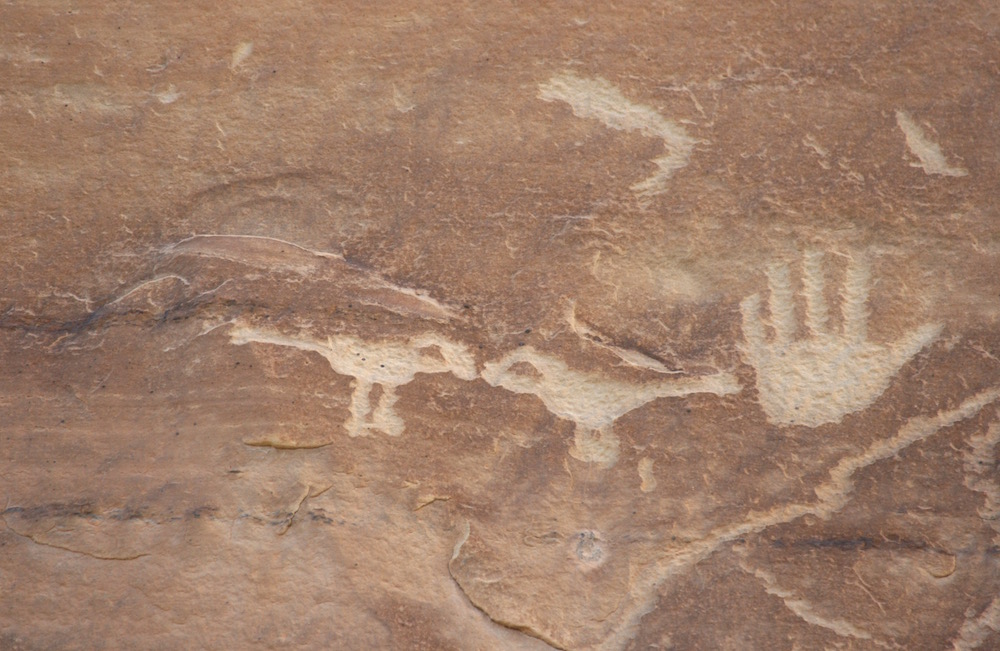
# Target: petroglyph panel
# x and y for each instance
(530, 326)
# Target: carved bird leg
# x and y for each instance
(595, 445)
(384, 417)
(360, 408)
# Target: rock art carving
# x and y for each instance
(978, 628)
(646, 475)
(386, 364)
(928, 152)
(827, 375)
(592, 401)
(804, 610)
(598, 99)
(832, 496)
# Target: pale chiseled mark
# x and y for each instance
(462, 539)
(646, 475)
(928, 152)
(402, 102)
(976, 629)
(383, 364)
(598, 99)
(592, 401)
(805, 610)
(832, 496)
(981, 473)
(829, 373)
(240, 54)
(22, 54)
(168, 96)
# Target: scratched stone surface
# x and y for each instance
(472, 325)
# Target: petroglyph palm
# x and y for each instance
(592, 401)
(827, 375)
(386, 364)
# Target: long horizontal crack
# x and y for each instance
(101, 557)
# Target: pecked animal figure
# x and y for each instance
(387, 364)
(592, 401)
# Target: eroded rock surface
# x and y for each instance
(500, 326)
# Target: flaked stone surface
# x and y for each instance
(500, 326)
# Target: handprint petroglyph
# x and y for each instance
(387, 364)
(592, 401)
(828, 374)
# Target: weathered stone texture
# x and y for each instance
(483, 325)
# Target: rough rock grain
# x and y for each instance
(481, 325)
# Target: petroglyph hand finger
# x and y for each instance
(854, 306)
(753, 328)
(817, 316)
(782, 303)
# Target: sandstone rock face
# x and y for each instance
(470, 325)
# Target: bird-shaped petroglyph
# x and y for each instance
(386, 364)
(592, 401)
(828, 374)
